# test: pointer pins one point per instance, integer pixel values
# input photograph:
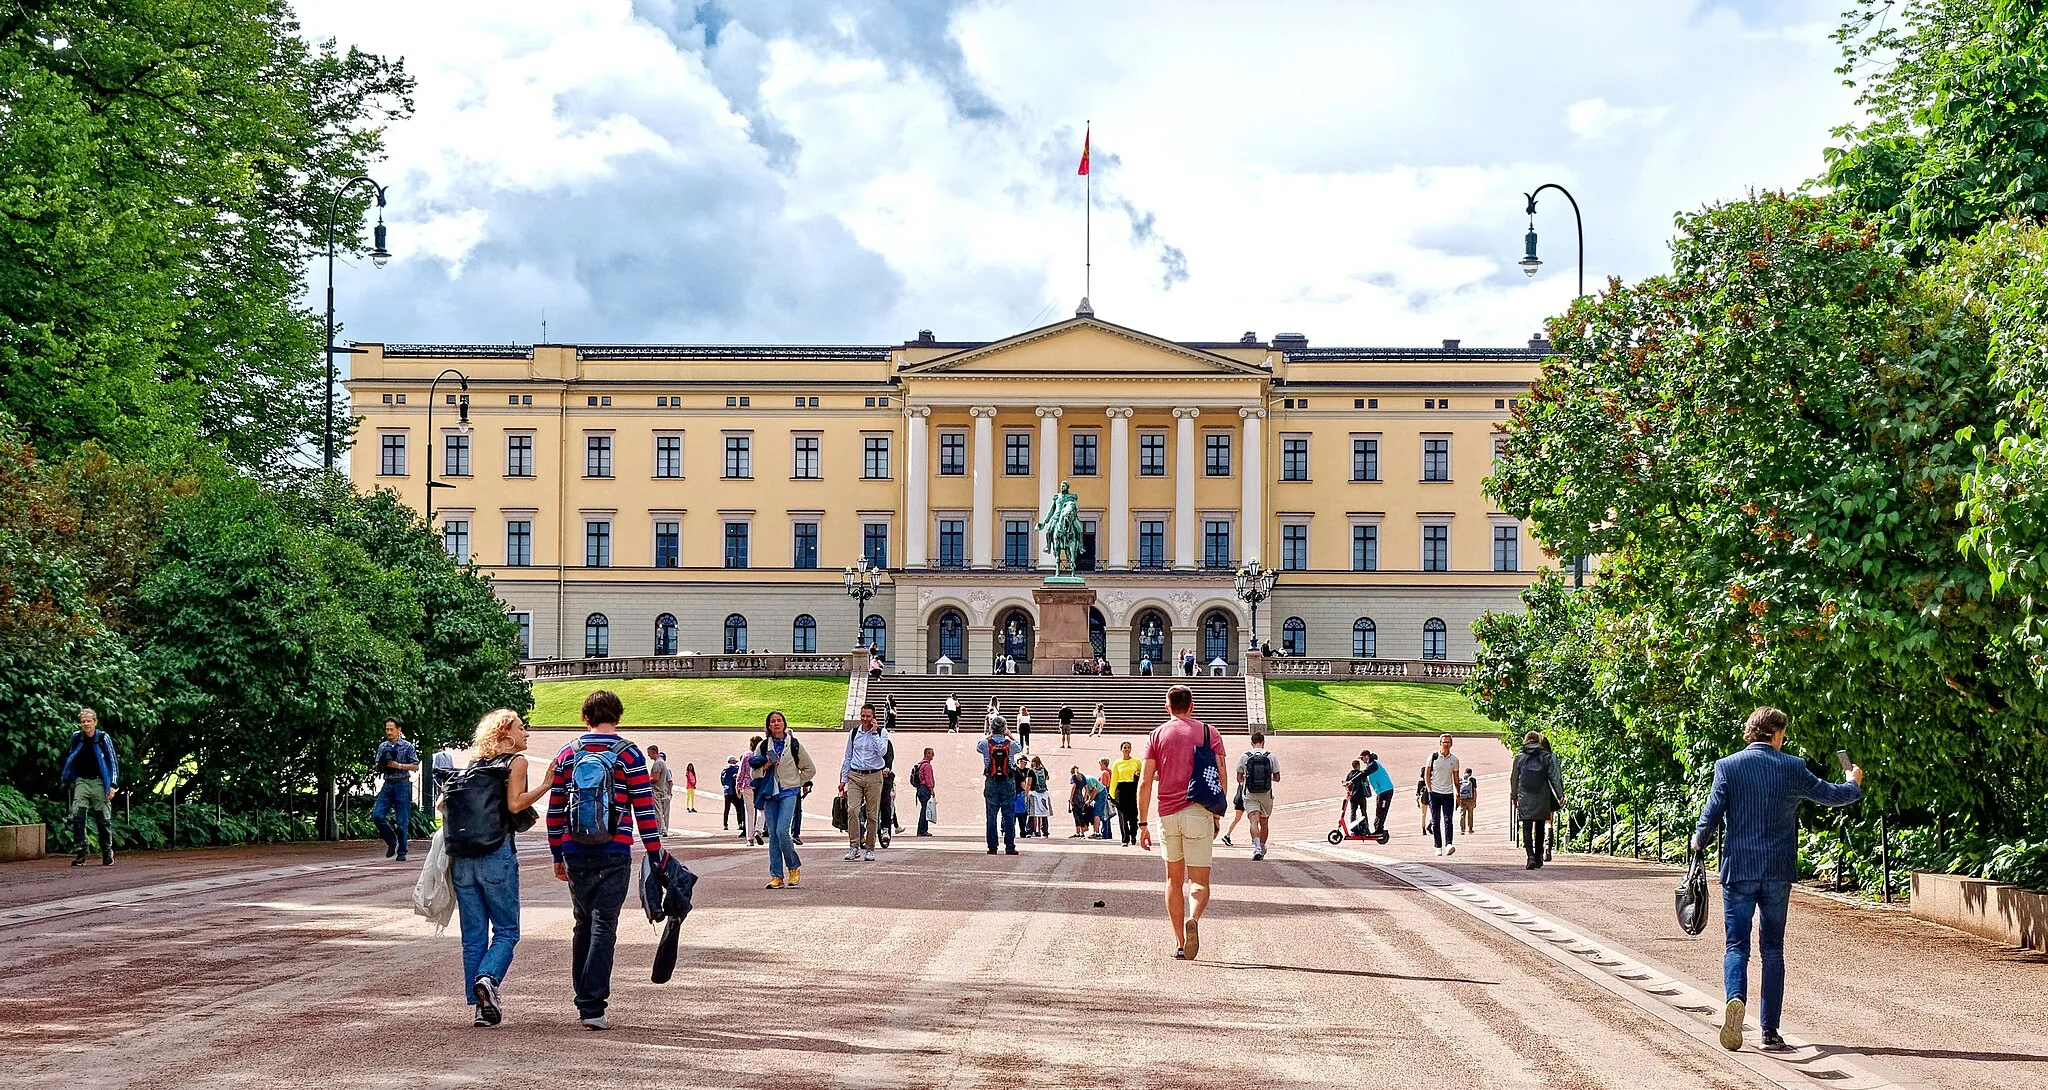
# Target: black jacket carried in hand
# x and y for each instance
(665, 894)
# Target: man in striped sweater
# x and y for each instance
(600, 874)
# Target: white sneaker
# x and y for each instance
(1450, 849)
(869, 856)
(1439, 851)
(853, 854)
(597, 1021)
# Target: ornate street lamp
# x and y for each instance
(862, 583)
(1254, 585)
(1530, 263)
(380, 257)
(462, 429)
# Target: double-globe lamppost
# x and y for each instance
(1254, 584)
(1530, 263)
(863, 581)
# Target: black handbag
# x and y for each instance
(1690, 898)
(839, 813)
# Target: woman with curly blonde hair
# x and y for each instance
(489, 797)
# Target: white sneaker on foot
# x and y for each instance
(852, 854)
(1450, 849)
(597, 1021)
(869, 856)
(1731, 1025)
(1439, 851)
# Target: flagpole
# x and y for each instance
(1088, 232)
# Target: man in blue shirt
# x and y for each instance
(396, 761)
(1758, 792)
(89, 776)
(860, 783)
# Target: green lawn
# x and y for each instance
(808, 702)
(1370, 705)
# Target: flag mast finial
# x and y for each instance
(1087, 310)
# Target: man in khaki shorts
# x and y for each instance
(1257, 772)
(1188, 830)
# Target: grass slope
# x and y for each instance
(1371, 705)
(808, 702)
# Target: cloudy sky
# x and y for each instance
(856, 170)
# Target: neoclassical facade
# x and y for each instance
(657, 499)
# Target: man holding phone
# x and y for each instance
(1757, 792)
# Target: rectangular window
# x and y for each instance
(803, 545)
(736, 544)
(1436, 548)
(1216, 544)
(518, 543)
(455, 539)
(1151, 544)
(455, 455)
(668, 456)
(519, 456)
(1017, 454)
(597, 544)
(874, 544)
(952, 454)
(1017, 543)
(391, 456)
(1365, 459)
(805, 466)
(1216, 454)
(1436, 459)
(1294, 458)
(1365, 548)
(525, 638)
(1152, 454)
(1507, 548)
(952, 543)
(874, 458)
(1084, 453)
(1086, 561)
(1294, 547)
(739, 456)
(597, 456)
(668, 544)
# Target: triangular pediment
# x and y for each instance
(1080, 347)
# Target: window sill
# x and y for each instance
(803, 478)
(599, 477)
(659, 477)
(519, 476)
(1366, 480)
(1297, 480)
(456, 476)
(395, 476)
(1434, 480)
(730, 477)
(880, 479)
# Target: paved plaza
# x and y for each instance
(938, 965)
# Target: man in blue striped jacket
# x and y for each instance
(1758, 792)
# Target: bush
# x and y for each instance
(147, 826)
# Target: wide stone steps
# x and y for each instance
(1131, 704)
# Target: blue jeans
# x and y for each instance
(1001, 802)
(782, 856)
(924, 825)
(1739, 902)
(395, 797)
(487, 903)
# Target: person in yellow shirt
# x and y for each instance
(1124, 789)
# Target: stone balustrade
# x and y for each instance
(690, 666)
(1431, 670)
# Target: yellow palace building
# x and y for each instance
(634, 500)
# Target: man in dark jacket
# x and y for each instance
(1538, 785)
(1757, 792)
(89, 775)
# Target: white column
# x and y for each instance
(984, 485)
(1119, 488)
(918, 522)
(1184, 555)
(1251, 508)
(1048, 473)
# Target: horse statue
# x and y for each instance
(1062, 529)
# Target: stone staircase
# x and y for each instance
(1132, 704)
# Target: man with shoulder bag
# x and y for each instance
(1183, 769)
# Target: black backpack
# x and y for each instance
(1258, 772)
(474, 820)
(1535, 779)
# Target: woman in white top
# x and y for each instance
(1024, 727)
(1101, 721)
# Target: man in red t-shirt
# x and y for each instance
(1188, 831)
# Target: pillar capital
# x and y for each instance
(982, 412)
(1052, 411)
(1186, 414)
(919, 411)
(1120, 413)
(1252, 413)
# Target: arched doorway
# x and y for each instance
(735, 634)
(1150, 639)
(1294, 637)
(1013, 636)
(1098, 633)
(947, 637)
(1219, 637)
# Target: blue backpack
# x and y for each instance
(1205, 784)
(593, 802)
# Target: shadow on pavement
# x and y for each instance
(1354, 972)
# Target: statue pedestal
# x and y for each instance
(1062, 627)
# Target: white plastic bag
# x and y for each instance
(433, 896)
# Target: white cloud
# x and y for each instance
(859, 169)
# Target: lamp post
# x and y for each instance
(1530, 263)
(461, 428)
(862, 583)
(380, 257)
(1254, 585)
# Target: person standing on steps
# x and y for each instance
(1188, 828)
(1468, 801)
(1538, 785)
(90, 774)
(1257, 771)
(782, 766)
(925, 780)
(1757, 792)
(991, 717)
(889, 713)
(860, 783)
(1440, 779)
(1123, 791)
(1000, 780)
(1066, 726)
(599, 797)
(952, 713)
(397, 760)
(1024, 727)
(1101, 721)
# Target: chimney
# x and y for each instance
(1289, 342)
(1539, 343)
(1450, 344)
(924, 336)
(1250, 337)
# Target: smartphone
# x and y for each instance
(1842, 755)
